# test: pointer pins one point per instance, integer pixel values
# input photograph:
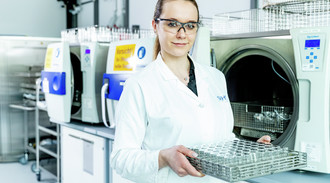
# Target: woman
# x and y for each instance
(172, 103)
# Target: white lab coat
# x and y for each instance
(157, 111)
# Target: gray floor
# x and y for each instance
(18, 173)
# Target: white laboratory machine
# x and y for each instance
(124, 59)
(279, 86)
(71, 81)
(311, 51)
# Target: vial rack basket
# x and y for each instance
(239, 160)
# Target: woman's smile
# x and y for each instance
(180, 44)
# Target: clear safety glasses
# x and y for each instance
(174, 26)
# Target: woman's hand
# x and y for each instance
(175, 158)
(264, 139)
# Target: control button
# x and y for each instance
(307, 57)
(315, 57)
(318, 48)
(87, 59)
(312, 53)
(311, 61)
(306, 48)
(312, 48)
(317, 68)
(201, 105)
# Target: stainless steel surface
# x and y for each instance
(58, 160)
(293, 177)
(247, 66)
(251, 35)
(241, 160)
(19, 57)
(261, 117)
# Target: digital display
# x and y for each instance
(87, 51)
(312, 43)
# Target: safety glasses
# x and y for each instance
(174, 26)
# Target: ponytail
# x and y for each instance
(156, 49)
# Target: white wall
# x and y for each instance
(41, 18)
(141, 11)
(106, 11)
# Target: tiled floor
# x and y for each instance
(18, 173)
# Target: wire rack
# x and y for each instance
(241, 160)
(103, 34)
(261, 117)
(276, 15)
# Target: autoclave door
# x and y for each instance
(262, 88)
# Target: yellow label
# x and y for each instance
(122, 58)
(49, 56)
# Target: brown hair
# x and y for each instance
(157, 13)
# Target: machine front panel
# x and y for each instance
(56, 81)
(312, 48)
(93, 65)
(313, 95)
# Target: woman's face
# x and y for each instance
(179, 43)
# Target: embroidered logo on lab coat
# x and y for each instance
(222, 98)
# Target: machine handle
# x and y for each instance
(40, 104)
(88, 141)
(104, 119)
(213, 59)
(74, 136)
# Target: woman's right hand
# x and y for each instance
(175, 158)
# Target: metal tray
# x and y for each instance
(261, 117)
(239, 160)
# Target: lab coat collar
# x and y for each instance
(169, 75)
(200, 74)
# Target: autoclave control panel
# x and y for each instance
(312, 51)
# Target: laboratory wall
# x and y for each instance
(141, 11)
(42, 18)
(106, 12)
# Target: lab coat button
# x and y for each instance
(201, 105)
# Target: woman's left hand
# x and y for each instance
(264, 139)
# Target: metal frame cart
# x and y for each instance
(27, 106)
(54, 152)
(25, 158)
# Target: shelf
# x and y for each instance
(51, 129)
(49, 166)
(29, 91)
(28, 85)
(22, 107)
(49, 149)
(26, 74)
(33, 97)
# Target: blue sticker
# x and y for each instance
(222, 98)
(58, 51)
(141, 52)
(115, 84)
(87, 51)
